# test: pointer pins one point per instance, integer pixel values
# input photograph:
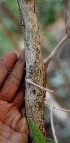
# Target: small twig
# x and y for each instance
(45, 89)
(54, 52)
(56, 107)
(52, 125)
(66, 22)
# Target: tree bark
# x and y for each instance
(34, 97)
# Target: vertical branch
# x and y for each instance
(52, 125)
(45, 74)
(66, 22)
(34, 96)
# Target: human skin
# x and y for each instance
(13, 124)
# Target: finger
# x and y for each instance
(5, 107)
(21, 126)
(19, 98)
(12, 83)
(6, 63)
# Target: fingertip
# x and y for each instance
(6, 63)
(9, 58)
(10, 54)
(22, 55)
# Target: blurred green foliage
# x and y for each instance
(6, 44)
(66, 132)
(13, 7)
(48, 11)
(57, 80)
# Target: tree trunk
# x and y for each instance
(34, 97)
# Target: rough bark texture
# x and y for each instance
(34, 96)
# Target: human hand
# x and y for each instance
(13, 125)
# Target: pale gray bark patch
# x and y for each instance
(34, 97)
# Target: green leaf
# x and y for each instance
(37, 134)
(52, 141)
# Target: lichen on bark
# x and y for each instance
(34, 97)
